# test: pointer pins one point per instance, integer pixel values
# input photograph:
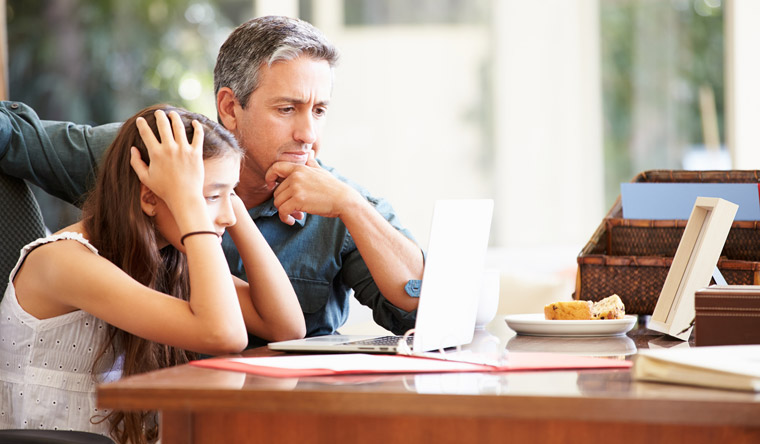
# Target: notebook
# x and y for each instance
(449, 294)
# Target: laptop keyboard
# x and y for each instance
(383, 341)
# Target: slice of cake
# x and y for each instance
(610, 307)
(578, 310)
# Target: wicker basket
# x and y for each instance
(632, 257)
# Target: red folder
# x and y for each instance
(356, 364)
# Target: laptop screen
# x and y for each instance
(453, 273)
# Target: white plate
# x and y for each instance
(617, 345)
(536, 325)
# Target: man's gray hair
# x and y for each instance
(266, 40)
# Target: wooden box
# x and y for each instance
(727, 315)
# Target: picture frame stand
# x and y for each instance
(693, 265)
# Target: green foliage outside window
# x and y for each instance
(100, 61)
(656, 55)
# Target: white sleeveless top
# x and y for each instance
(46, 364)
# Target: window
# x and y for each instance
(663, 94)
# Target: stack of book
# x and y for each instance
(735, 367)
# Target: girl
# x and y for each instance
(141, 282)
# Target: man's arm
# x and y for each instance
(392, 258)
(59, 157)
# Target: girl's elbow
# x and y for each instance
(299, 332)
(296, 331)
(226, 342)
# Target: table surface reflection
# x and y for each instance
(588, 396)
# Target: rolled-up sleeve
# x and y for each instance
(366, 291)
(385, 314)
(59, 157)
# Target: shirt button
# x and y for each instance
(14, 105)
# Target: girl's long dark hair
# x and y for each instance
(125, 235)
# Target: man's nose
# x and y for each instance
(305, 130)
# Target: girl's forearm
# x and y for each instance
(275, 313)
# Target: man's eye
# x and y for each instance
(320, 112)
(213, 198)
(287, 109)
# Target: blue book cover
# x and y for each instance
(665, 201)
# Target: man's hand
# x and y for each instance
(392, 259)
(300, 189)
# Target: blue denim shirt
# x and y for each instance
(317, 253)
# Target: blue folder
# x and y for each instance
(665, 201)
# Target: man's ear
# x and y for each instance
(225, 106)
(148, 200)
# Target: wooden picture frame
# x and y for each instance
(692, 268)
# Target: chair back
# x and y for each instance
(20, 223)
(29, 436)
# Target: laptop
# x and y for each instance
(450, 289)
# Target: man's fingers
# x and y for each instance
(290, 218)
(278, 172)
(286, 205)
(286, 218)
(311, 161)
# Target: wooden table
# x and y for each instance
(210, 406)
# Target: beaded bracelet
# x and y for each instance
(182, 240)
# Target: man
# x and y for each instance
(273, 81)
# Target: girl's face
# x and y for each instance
(221, 176)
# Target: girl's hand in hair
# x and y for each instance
(175, 173)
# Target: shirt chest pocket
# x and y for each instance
(312, 294)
